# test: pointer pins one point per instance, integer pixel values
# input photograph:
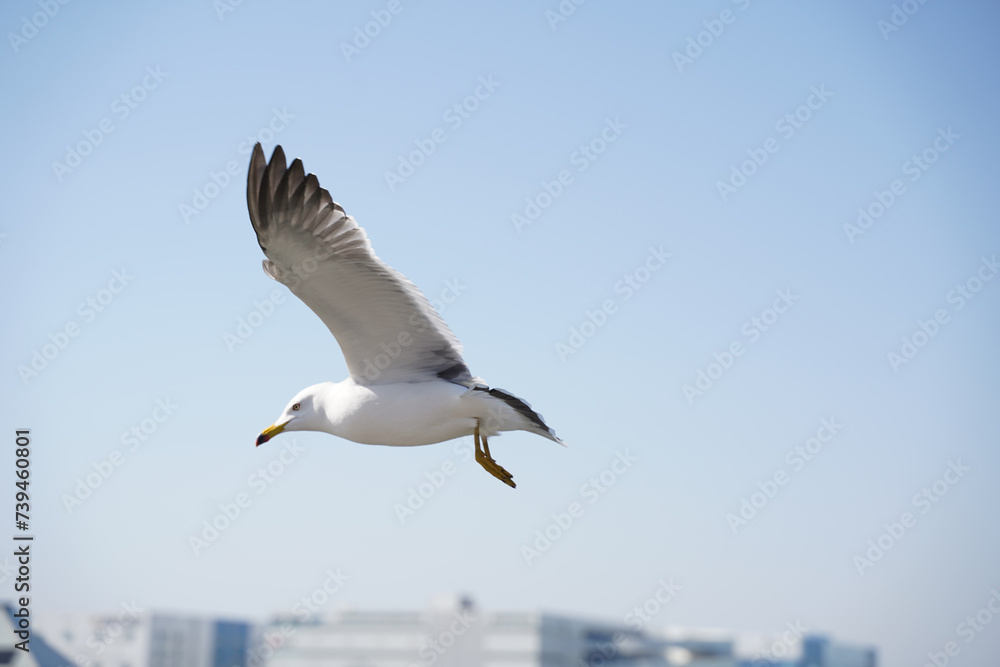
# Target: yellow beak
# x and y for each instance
(269, 433)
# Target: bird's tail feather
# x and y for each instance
(533, 422)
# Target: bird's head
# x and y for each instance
(301, 414)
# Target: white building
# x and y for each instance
(459, 635)
(13, 643)
(89, 640)
(132, 638)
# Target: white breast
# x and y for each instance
(402, 414)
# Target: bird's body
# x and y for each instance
(408, 383)
(407, 414)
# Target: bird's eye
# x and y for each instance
(296, 406)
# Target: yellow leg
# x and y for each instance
(491, 466)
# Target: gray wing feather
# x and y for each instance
(386, 328)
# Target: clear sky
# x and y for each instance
(130, 263)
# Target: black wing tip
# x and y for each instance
(258, 154)
(278, 154)
(258, 161)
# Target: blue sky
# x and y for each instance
(199, 88)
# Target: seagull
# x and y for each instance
(408, 383)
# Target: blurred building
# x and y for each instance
(697, 648)
(818, 651)
(452, 632)
(132, 638)
(457, 634)
(39, 654)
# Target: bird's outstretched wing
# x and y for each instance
(386, 328)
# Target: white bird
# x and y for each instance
(408, 384)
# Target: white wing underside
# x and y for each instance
(386, 328)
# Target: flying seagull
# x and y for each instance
(408, 384)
